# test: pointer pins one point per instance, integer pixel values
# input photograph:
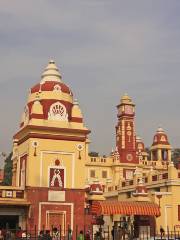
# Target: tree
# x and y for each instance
(94, 154)
(176, 156)
(8, 171)
(147, 149)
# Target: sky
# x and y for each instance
(103, 48)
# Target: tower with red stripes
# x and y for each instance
(125, 131)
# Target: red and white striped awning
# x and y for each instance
(125, 208)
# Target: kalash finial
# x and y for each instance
(160, 129)
(51, 73)
(51, 61)
(76, 102)
(125, 99)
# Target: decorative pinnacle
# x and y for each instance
(126, 99)
(76, 102)
(51, 61)
(51, 73)
(160, 129)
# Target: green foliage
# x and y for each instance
(147, 149)
(176, 156)
(8, 171)
(94, 154)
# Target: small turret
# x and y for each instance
(160, 149)
(141, 193)
(141, 189)
(95, 191)
(76, 111)
(160, 137)
(141, 153)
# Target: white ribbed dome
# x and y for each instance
(51, 73)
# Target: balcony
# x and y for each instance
(12, 196)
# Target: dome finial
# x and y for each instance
(51, 73)
(76, 102)
(125, 99)
(138, 138)
(51, 61)
(160, 129)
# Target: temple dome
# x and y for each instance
(160, 137)
(51, 99)
(51, 80)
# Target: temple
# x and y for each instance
(56, 182)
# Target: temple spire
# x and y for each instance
(51, 73)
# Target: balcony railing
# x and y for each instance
(11, 193)
(154, 178)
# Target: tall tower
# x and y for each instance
(125, 131)
(51, 129)
(49, 153)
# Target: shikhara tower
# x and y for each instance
(49, 153)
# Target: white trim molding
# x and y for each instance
(56, 204)
(165, 215)
(63, 213)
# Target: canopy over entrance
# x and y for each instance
(125, 208)
(15, 202)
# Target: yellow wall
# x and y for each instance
(47, 152)
(99, 164)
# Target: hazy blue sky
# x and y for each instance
(104, 49)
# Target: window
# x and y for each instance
(57, 88)
(93, 159)
(57, 111)
(164, 154)
(163, 139)
(104, 174)
(92, 173)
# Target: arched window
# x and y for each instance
(57, 88)
(163, 138)
(58, 112)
